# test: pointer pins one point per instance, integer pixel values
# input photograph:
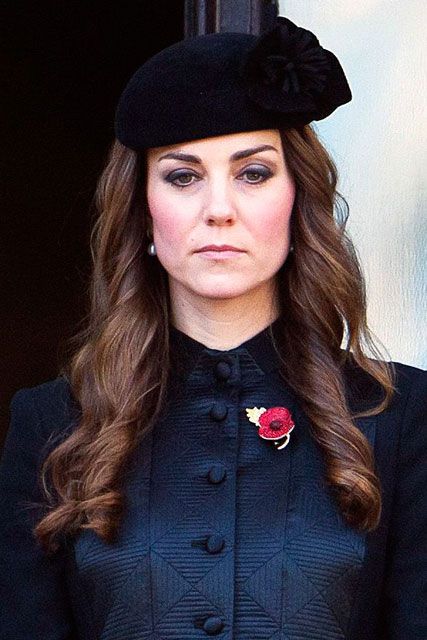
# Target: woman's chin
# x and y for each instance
(222, 290)
(217, 287)
(221, 295)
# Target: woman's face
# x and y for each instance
(232, 190)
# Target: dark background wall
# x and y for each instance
(63, 67)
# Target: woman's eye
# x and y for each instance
(182, 177)
(256, 176)
(185, 179)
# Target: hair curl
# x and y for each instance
(119, 367)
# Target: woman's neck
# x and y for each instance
(223, 323)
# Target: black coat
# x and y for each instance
(224, 534)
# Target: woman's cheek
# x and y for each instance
(168, 230)
(273, 223)
(166, 221)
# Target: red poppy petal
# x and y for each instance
(278, 415)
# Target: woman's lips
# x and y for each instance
(220, 255)
(219, 252)
(219, 247)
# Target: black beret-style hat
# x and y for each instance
(223, 83)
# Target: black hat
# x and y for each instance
(223, 83)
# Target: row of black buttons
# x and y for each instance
(219, 412)
(217, 474)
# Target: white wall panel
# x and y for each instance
(378, 141)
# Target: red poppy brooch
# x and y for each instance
(273, 424)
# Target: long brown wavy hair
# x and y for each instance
(119, 364)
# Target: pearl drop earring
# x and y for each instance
(152, 249)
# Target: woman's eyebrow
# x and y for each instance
(249, 152)
(236, 156)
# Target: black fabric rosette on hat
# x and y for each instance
(224, 83)
(289, 72)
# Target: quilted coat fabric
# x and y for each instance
(224, 535)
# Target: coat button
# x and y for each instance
(217, 473)
(214, 544)
(218, 411)
(222, 370)
(213, 625)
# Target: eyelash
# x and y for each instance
(265, 173)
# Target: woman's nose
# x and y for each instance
(219, 206)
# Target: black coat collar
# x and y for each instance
(261, 347)
(362, 391)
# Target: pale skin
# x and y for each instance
(221, 299)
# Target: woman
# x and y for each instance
(220, 457)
